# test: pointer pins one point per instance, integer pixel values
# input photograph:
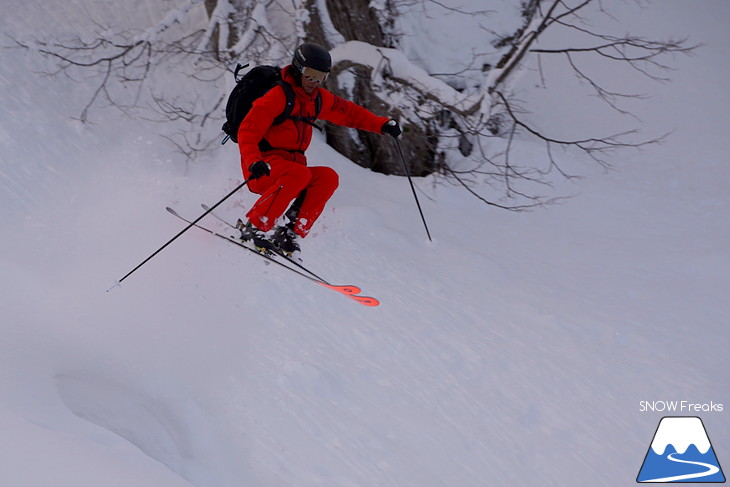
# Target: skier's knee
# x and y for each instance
(329, 178)
(300, 176)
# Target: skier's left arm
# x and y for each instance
(337, 110)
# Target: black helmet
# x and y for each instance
(312, 55)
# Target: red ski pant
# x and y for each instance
(287, 180)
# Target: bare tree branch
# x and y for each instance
(443, 117)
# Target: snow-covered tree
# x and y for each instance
(449, 117)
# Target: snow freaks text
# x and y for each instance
(680, 407)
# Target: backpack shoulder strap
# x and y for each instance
(317, 105)
(286, 114)
(317, 109)
(289, 94)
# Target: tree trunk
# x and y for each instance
(355, 20)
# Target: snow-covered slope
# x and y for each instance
(514, 350)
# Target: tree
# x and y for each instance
(447, 121)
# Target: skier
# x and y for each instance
(273, 156)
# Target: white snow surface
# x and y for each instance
(513, 350)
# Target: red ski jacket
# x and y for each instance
(295, 135)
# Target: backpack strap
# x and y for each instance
(317, 109)
(264, 144)
(289, 107)
(317, 105)
(289, 94)
(239, 68)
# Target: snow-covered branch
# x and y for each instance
(393, 64)
(332, 36)
(173, 17)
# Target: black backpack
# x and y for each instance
(253, 85)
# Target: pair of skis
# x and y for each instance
(352, 292)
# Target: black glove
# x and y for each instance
(391, 128)
(258, 169)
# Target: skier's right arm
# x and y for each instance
(257, 122)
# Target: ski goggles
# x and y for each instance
(313, 75)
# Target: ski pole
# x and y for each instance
(119, 282)
(413, 189)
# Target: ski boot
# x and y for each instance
(249, 233)
(284, 239)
